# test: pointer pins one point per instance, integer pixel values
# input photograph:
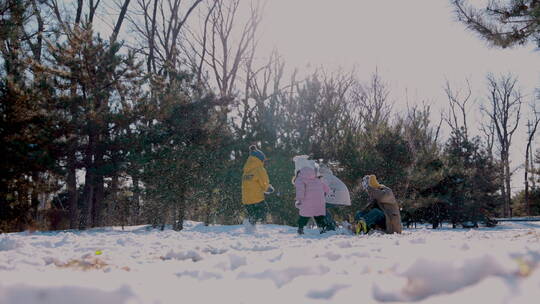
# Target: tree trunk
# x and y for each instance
(532, 169)
(164, 215)
(113, 207)
(150, 63)
(529, 166)
(34, 200)
(99, 194)
(99, 188)
(503, 194)
(503, 185)
(527, 204)
(507, 193)
(88, 199)
(508, 187)
(89, 183)
(181, 214)
(72, 190)
(119, 21)
(136, 200)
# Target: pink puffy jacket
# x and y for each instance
(310, 192)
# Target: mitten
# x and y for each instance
(270, 190)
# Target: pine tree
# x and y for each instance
(473, 191)
(93, 83)
(181, 146)
(28, 129)
(502, 23)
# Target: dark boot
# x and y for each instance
(321, 223)
(302, 221)
(330, 226)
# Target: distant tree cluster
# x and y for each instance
(152, 124)
(507, 23)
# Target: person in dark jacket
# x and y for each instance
(382, 210)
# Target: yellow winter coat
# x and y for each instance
(254, 181)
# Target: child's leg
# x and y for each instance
(361, 225)
(360, 215)
(249, 212)
(330, 223)
(320, 220)
(260, 211)
(302, 221)
(372, 218)
(252, 213)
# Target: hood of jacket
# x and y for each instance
(252, 163)
(307, 173)
(324, 170)
(302, 161)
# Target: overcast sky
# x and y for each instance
(415, 44)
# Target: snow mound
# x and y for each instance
(10, 244)
(223, 264)
(284, 276)
(326, 294)
(63, 295)
(431, 277)
(183, 255)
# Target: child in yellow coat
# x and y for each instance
(255, 184)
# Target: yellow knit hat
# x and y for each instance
(373, 183)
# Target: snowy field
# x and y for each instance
(224, 264)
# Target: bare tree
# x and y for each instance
(224, 44)
(488, 130)
(331, 113)
(195, 46)
(119, 21)
(532, 125)
(372, 102)
(456, 118)
(159, 31)
(420, 136)
(504, 110)
(261, 85)
(63, 17)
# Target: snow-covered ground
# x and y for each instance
(224, 264)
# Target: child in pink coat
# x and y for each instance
(310, 193)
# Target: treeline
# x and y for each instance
(153, 123)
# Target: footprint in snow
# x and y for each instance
(284, 276)
(326, 294)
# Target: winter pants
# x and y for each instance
(256, 212)
(330, 223)
(373, 217)
(303, 220)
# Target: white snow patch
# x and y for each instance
(326, 294)
(211, 264)
(237, 261)
(284, 276)
(428, 277)
(10, 244)
(183, 255)
(22, 293)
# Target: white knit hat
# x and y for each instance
(302, 161)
